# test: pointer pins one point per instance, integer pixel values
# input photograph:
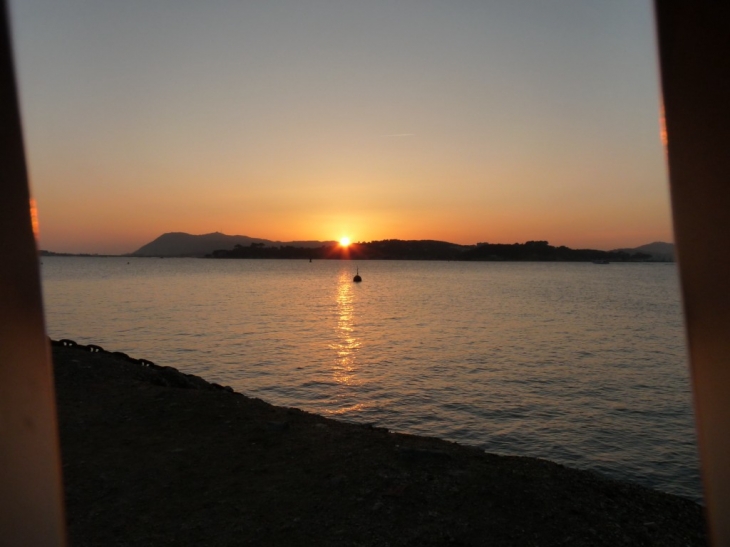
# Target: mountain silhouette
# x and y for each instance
(181, 244)
(659, 251)
(218, 245)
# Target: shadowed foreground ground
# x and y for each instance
(156, 457)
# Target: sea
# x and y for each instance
(578, 363)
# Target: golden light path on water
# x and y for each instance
(344, 368)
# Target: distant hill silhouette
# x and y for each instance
(396, 249)
(659, 251)
(178, 244)
(218, 245)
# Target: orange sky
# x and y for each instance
(494, 122)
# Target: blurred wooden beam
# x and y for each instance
(31, 511)
(694, 50)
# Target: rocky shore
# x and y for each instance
(152, 456)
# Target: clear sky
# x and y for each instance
(465, 121)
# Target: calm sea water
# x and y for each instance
(581, 364)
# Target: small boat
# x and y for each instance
(601, 261)
(357, 277)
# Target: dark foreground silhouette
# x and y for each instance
(152, 456)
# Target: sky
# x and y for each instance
(466, 121)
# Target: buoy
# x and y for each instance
(357, 277)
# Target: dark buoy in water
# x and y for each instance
(357, 277)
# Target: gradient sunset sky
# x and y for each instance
(462, 121)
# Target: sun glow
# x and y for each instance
(344, 241)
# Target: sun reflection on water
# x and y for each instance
(346, 345)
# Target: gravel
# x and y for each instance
(152, 456)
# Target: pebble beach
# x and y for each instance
(153, 456)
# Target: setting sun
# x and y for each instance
(344, 241)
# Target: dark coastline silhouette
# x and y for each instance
(217, 245)
(395, 249)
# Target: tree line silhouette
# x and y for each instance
(396, 249)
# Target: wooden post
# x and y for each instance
(694, 49)
(31, 510)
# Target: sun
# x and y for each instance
(344, 241)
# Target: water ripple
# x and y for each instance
(585, 366)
